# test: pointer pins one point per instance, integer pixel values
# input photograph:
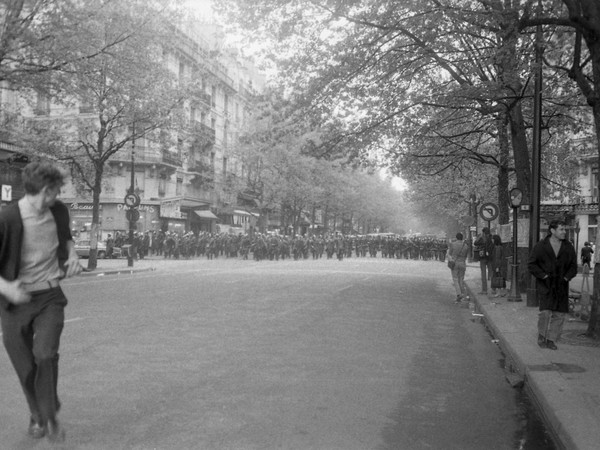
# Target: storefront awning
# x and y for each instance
(239, 212)
(205, 214)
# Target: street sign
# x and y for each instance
(489, 211)
(132, 200)
(6, 193)
(132, 215)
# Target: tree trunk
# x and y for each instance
(503, 200)
(93, 258)
(595, 300)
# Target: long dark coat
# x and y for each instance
(553, 292)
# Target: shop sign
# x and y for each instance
(171, 209)
(147, 208)
(83, 206)
(6, 193)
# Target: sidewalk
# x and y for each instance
(564, 384)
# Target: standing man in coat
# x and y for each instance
(553, 262)
(36, 252)
(484, 247)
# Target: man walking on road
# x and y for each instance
(36, 251)
(553, 262)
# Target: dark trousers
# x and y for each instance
(31, 335)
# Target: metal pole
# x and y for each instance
(515, 294)
(536, 158)
(131, 191)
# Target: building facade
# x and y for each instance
(191, 185)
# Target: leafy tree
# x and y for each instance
(123, 95)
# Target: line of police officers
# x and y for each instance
(275, 247)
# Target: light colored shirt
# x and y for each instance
(39, 259)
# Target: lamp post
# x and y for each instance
(516, 197)
(131, 192)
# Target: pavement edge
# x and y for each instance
(560, 437)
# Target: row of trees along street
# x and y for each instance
(440, 91)
(111, 60)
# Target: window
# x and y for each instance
(212, 161)
(193, 113)
(214, 96)
(179, 186)
(226, 104)
(213, 123)
(42, 107)
(594, 184)
(181, 70)
(224, 166)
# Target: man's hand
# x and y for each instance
(15, 294)
(73, 267)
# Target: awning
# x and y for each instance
(205, 214)
(239, 212)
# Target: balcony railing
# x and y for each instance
(204, 133)
(142, 155)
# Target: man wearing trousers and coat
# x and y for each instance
(36, 251)
(553, 262)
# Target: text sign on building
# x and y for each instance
(170, 209)
(6, 193)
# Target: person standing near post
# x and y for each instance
(586, 254)
(553, 262)
(36, 251)
(457, 254)
(484, 248)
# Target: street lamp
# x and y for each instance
(516, 197)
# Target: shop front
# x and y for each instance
(112, 218)
(178, 215)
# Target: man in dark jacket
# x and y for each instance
(36, 251)
(484, 248)
(553, 262)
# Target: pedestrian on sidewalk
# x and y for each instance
(553, 262)
(499, 266)
(586, 255)
(457, 258)
(37, 250)
(484, 248)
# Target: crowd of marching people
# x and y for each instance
(274, 246)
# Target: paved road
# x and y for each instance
(230, 354)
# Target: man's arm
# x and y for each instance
(72, 263)
(13, 292)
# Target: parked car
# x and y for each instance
(82, 247)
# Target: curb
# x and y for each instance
(93, 273)
(515, 363)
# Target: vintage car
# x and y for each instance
(82, 247)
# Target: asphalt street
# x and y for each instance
(230, 354)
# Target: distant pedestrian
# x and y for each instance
(457, 254)
(586, 254)
(110, 244)
(37, 251)
(553, 262)
(484, 248)
(499, 265)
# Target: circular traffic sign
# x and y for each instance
(132, 215)
(132, 200)
(489, 211)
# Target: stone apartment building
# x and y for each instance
(189, 187)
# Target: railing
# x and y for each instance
(204, 132)
(142, 155)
